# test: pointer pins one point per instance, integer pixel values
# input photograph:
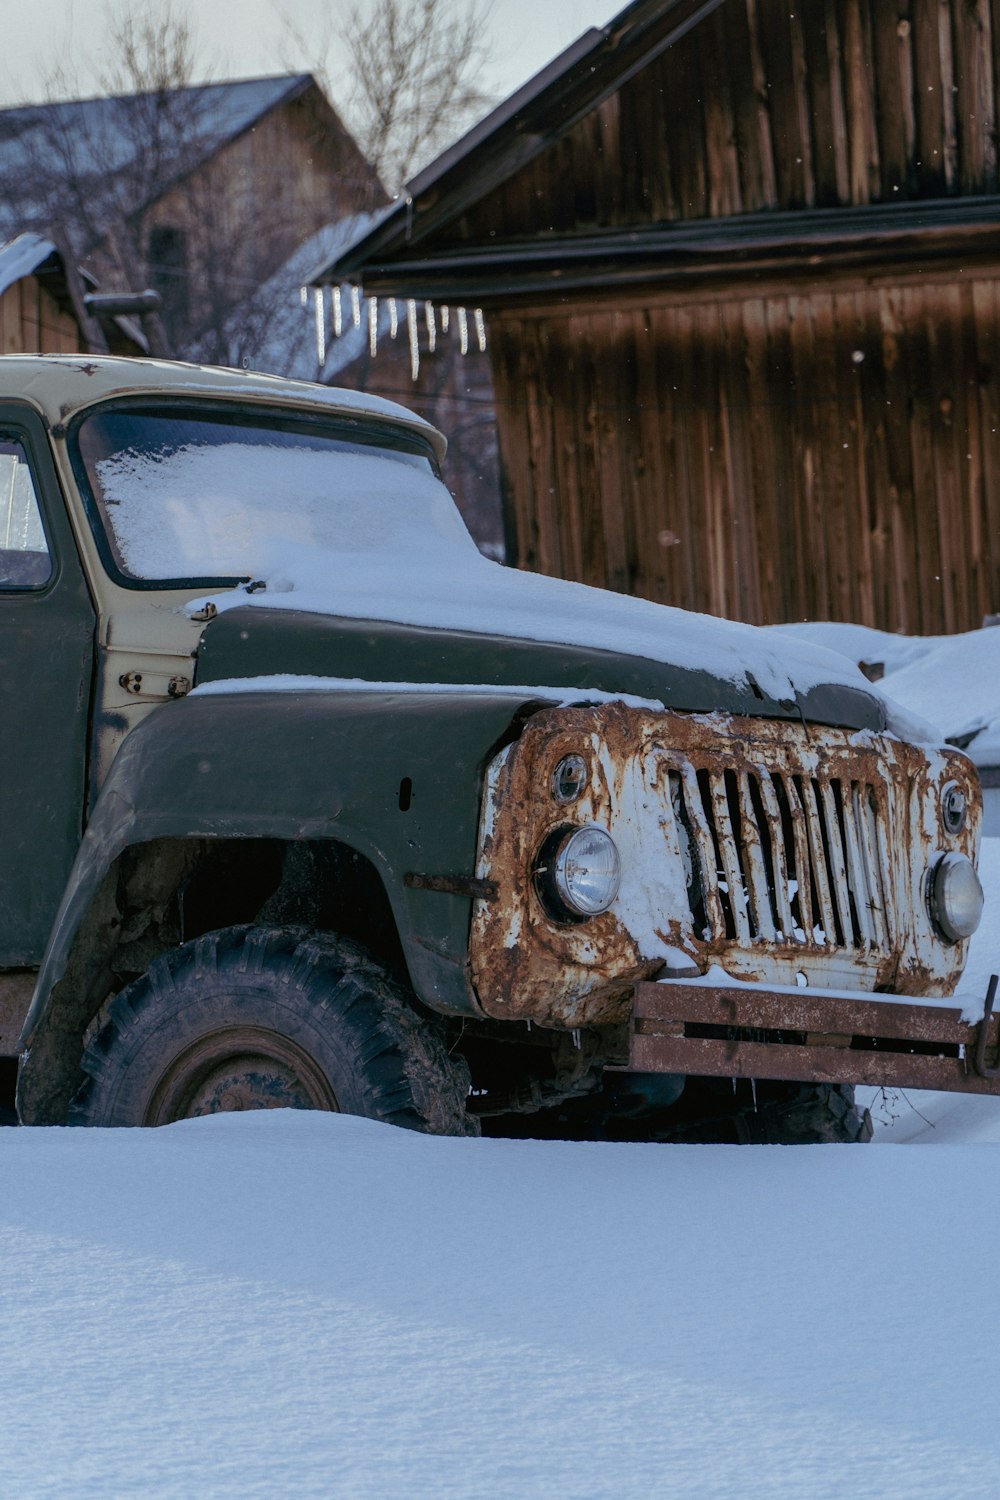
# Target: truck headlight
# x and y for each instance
(579, 870)
(956, 896)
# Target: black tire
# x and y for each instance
(808, 1113)
(777, 1114)
(256, 1018)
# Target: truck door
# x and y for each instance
(47, 628)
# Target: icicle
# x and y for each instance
(373, 325)
(463, 330)
(411, 329)
(304, 295)
(432, 332)
(393, 318)
(338, 311)
(320, 310)
(356, 305)
(445, 319)
(480, 329)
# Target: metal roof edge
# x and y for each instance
(511, 268)
(491, 124)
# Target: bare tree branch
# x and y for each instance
(414, 73)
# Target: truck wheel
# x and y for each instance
(808, 1113)
(776, 1114)
(264, 1018)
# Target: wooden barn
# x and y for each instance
(48, 307)
(39, 313)
(740, 265)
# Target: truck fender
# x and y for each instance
(395, 776)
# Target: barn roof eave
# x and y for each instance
(737, 248)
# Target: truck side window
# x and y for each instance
(24, 553)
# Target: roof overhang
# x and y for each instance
(734, 249)
(522, 127)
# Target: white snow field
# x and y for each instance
(303, 1305)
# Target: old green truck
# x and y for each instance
(306, 803)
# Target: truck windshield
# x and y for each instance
(181, 496)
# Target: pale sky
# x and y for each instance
(240, 38)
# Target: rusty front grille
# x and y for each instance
(786, 854)
(777, 856)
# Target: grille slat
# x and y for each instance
(729, 856)
(756, 863)
(782, 899)
(702, 831)
(800, 837)
(858, 868)
(839, 890)
(876, 863)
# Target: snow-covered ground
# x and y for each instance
(309, 1305)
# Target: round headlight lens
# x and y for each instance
(954, 807)
(956, 897)
(587, 871)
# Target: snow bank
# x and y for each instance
(320, 1306)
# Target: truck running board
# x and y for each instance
(822, 1038)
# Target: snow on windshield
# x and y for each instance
(237, 510)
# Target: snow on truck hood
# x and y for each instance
(402, 553)
(953, 681)
(488, 599)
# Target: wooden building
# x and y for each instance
(44, 306)
(200, 192)
(740, 264)
(37, 311)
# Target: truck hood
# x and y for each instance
(487, 625)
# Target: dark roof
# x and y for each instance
(523, 126)
(99, 133)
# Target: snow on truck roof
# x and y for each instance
(60, 385)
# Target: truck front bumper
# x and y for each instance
(809, 1036)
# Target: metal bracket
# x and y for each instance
(454, 885)
(983, 1030)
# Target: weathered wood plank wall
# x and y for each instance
(766, 105)
(829, 451)
(822, 447)
(31, 322)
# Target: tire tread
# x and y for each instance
(404, 1073)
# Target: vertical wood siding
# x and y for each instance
(31, 322)
(766, 105)
(831, 452)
